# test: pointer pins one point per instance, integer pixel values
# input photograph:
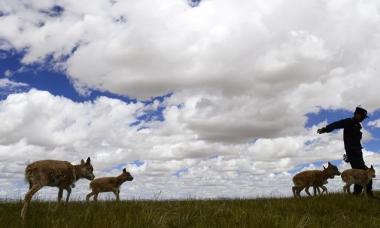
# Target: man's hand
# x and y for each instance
(321, 130)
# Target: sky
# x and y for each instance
(197, 99)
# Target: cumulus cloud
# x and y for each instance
(168, 159)
(243, 62)
(243, 75)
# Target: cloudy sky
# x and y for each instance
(211, 98)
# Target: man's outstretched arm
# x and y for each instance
(335, 125)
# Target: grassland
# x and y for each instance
(333, 210)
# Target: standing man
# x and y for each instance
(352, 137)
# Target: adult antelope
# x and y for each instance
(61, 174)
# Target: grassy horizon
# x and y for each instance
(332, 210)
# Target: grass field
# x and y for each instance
(333, 210)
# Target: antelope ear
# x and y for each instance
(371, 166)
(329, 163)
(324, 167)
(124, 170)
(81, 162)
(88, 160)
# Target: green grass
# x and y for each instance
(333, 210)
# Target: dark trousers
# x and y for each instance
(355, 157)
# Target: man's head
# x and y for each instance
(360, 114)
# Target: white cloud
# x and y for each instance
(7, 86)
(239, 70)
(240, 62)
(374, 123)
(8, 73)
(37, 125)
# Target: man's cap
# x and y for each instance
(361, 111)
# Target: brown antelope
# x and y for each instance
(61, 174)
(313, 178)
(357, 176)
(108, 184)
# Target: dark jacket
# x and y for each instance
(351, 133)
